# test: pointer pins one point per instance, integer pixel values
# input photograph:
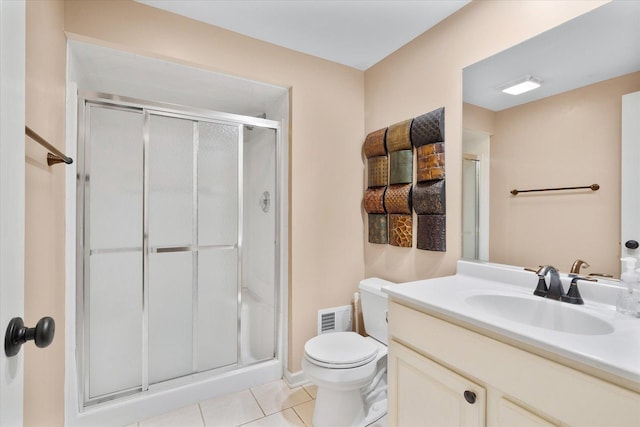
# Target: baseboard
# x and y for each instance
(295, 379)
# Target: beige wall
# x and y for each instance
(326, 132)
(329, 118)
(45, 211)
(427, 74)
(478, 119)
(571, 139)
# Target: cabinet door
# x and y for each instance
(511, 414)
(424, 393)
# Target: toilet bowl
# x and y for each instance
(349, 369)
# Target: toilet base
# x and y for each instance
(338, 408)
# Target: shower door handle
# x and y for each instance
(18, 334)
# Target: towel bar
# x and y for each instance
(56, 156)
(594, 187)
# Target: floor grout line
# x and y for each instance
(204, 422)
(264, 414)
(298, 415)
(306, 391)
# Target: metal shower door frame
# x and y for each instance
(86, 100)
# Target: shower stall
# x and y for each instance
(177, 243)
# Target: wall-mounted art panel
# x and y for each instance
(378, 231)
(391, 194)
(429, 198)
(397, 199)
(374, 144)
(401, 167)
(399, 136)
(374, 200)
(428, 128)
(400, 230)
(432, 234)
(430, 162)
(378, 171)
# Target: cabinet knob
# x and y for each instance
(631, 244)
(470, 396)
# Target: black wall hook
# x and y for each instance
(18, 334)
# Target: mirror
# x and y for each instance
(566, 133)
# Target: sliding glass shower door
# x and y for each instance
(112, 256)
(193, 246)
(161, 202)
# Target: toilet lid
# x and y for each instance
(340, 350)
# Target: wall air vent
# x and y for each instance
(336, 319)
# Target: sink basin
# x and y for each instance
(541, 313)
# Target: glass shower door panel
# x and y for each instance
(115, 323)
(258, 248)
(114, 163)
(170, 315)
(470, 218)
(217, 308)
(217, 184)
(170, 182)
(218, 211)
(113, 245)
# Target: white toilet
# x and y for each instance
(349, 369)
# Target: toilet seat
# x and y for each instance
(340, 350)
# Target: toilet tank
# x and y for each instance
(374, 307)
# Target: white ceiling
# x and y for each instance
(597, 46)
(101, 69)
(357, 33)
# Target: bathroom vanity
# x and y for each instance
(479, 349)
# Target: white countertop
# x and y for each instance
(617, 352)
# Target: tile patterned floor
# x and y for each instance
(269, 405)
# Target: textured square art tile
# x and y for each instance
(397, 199)
(428, 128)
(374, 200)
(378, 229)
(399, 136)
(401, 167)
(429, 197)
(430, 162)
(431, 234)
(400, 230)
(374, 144)
(378, 172)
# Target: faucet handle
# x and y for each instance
(541, 289)
(573, 295)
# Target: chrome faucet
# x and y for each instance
(575, 268)
(555, 290)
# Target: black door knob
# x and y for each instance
(632, 244)
(18, 334)
(470, 396)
